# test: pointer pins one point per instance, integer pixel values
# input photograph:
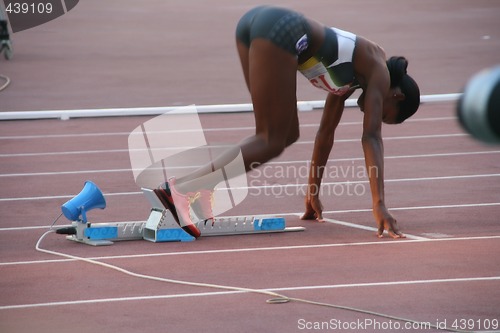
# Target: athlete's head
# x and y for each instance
(408, 105)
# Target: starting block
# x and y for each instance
(241, 225)
(97, 234)
(161, 226)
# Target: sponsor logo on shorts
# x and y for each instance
(302, 44)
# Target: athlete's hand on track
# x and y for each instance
(314, 209)
(385, 221)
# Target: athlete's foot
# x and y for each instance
(203, 205)
(180, 204)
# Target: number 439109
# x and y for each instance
(475, 324)
(29, 8)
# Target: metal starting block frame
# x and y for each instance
(162, 227)
(98, 234)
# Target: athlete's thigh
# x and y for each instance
(273, 85)
(243, 54)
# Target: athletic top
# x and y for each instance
(331, 69)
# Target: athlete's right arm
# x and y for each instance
(334, 107)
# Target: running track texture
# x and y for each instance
(442, 186)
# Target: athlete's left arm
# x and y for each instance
(378, 82)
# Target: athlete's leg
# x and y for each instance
(272, 83)
(270, 73)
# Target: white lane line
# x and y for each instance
(213, 129)
(109, 151)
(220, 293)
(60, 173)
(63, 153)
(277, 186)
(66, 196)
(375, 242)
(391, 157)
(118, 299)
(474, 205)
(364, 227)
(390, 283)
(275, 163)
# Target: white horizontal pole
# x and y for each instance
(148, 111)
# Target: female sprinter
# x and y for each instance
(273, 43)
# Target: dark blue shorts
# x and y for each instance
(283, 27)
